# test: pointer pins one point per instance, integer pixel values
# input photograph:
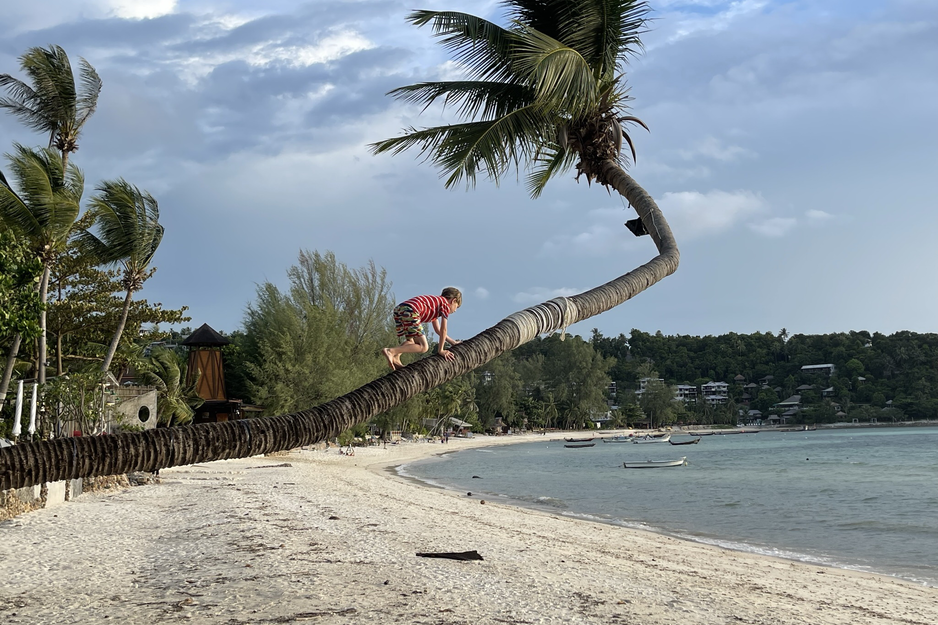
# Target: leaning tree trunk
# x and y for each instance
(112, 348)
(8, 370)
(68, 458)
(43, 296)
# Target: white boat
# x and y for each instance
(655, 464)
(652, 439)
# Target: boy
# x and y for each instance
(409, 317)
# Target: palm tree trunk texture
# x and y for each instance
(112, 348)
(43, 296)
(69, 458)
(8, 370)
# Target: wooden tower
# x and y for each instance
(205, 362)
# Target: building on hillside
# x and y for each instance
(643, 383)
(715, 393)
(828, 369)
(687, 393)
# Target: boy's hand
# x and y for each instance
(448, 355)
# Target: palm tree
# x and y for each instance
(167, 372)
(54, 104)
(129, 234)
(43, 213)
(547, 93)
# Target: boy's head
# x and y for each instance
(453, 295)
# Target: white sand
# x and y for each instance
(332, 539)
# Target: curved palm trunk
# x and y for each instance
(8, 370)
(68, 458)
(112, 348)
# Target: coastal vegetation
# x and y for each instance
(61, 303)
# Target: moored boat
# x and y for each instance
(652, 439)
(654, 464)
(578, 440)
(576, 445)
(693, 441)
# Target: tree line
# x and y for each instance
(70, 269)
(319, 338)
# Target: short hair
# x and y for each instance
(452, 293)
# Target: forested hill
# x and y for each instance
(900, 368)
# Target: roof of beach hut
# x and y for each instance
(205, 336)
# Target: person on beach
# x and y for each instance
(409, 317)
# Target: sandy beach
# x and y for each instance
(316, 536)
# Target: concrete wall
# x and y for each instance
(138, 406)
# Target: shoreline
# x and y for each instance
(318, 536)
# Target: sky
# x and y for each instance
(793, 147)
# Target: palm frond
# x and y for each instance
(551, 161)
(482, 47)
(88, 94)
(472, 98)
(127, 221)
(48, 201)
(466, 150)
(563, 78)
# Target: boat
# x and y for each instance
(654, 464)
(653, 439)
(692, 441)
(617, 439)
(576, 445)
(578, 440)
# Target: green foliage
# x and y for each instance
(20, 304)
(320, 339)
(166, 370)
(85, 308)
(542, 92)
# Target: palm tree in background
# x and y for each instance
(544, 94)
(43, 213)
(129, 233)
(175, 401)
(53, 104)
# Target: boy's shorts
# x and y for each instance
(407, 322)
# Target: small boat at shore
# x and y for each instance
(652, 439)
(654, 464)
(617, 439)
(692, 441)
(578, 440)
(578, 445)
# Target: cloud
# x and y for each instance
(711, 147)
(692, 214)
(482, 293)
(604, 235)
(818, 216)
(139, 9)
(537, 295)
(774, 227)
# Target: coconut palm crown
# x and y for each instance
(54, 104)
(545, 93)
(129, 233)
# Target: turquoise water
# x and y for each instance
(862, 499)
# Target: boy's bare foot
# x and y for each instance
(390, 358)
(398, 364)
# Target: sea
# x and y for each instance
(856, 498)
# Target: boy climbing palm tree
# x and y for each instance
(409, 317)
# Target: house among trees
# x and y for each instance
(715, 393)
(828, 369)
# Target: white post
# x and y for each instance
(32, 411)
(18, 415)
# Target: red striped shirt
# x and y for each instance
(429, 307)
